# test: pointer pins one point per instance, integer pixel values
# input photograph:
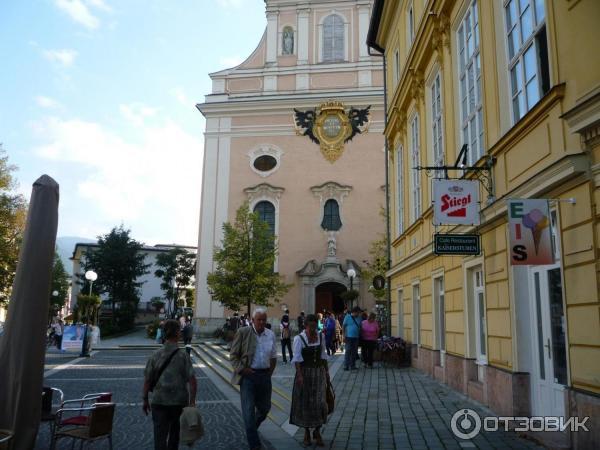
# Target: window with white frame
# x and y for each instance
(527, 53)
(436, 122)
(415, 155)
(333, 38)
(410, 23)
(439, 313)
(480, 320)
(469, 75)
(400, 189)
(416, 314)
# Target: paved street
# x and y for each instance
(121, 372)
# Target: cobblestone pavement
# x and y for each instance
(391, 408)
(121, 372)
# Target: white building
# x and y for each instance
(150, 287)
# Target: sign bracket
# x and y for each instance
(482, 173)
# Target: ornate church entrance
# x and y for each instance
(328, 297)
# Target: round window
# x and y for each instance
(265, 163)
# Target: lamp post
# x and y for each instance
(91, 276)
(351, 274)
(54, 311)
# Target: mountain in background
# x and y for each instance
(65, 246)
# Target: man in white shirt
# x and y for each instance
(254, 356)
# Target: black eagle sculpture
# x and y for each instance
(305, 120)
(358, 118)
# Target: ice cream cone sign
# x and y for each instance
(530, 233)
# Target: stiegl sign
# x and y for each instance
(455, 202)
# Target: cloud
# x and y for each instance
(136, 113)
(47, 102)
(63, 56)
(182, 97)
(231, 61)
(231, 4)
(150, 184)
(79, 12)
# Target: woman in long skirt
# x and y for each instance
(309, 404)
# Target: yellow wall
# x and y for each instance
(527, 154)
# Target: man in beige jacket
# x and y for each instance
(254, 356)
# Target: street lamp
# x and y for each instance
(91, 276)
(351, 274)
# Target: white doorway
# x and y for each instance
(549, 374)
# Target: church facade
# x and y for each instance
(296, 130)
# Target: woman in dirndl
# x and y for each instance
(309, 403)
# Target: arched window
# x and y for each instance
(333, 38)
(331, 216)
(266, 213)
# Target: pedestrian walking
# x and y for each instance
(58, 333)
(159, 332)
(363, 316)
(286, 336)
(300, 322)
(169, 373)
(351, 328)
(369, 333)
(188, 334)
(320, 325)
(330, 333)
(254, 357)
(309, 401)
(339, 333)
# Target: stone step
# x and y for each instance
(216, 361)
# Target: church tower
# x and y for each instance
(322, 197)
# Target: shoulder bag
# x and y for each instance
(155, 379)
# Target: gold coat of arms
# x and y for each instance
(330, 126)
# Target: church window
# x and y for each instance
(266, 213)
(333, 38)
(331, 216)
(265, 163)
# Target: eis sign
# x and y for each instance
(455, 202)
(530, 233)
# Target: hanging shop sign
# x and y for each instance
(530, 232)
(456, 244)
(378, 282)
(455, 202)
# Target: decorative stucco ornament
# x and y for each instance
(331, 126)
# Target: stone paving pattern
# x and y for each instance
(121, 372)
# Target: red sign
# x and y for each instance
(455, 202)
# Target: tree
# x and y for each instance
(13, 214)
(119, 262)
(87, 306)
(244, 264)
(177, 269)
(377, 263)
(60, 285)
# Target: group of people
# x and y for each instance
(169, 374)
(185, 327)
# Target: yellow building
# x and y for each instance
(518, 82)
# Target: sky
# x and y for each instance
(101, 95)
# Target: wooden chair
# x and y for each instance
(99, 425)
(5, 438)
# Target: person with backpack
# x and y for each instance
(286, 336)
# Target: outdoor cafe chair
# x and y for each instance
(47, 414)
(5, 438)
(98, 426)
(79, 420)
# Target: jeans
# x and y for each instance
(255, 392)
(369, 349)
(166, 426)
(286, 343)
(351, 351)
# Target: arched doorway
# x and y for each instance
(328, 297)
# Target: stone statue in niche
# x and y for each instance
(288, 41)
(331, 246)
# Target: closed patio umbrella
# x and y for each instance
(22, 347)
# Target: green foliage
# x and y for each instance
(151, 329)
(157, 303)
(177, 269)
(377, 263)
(13, 215)
(244, 264)
(349, 296)
(119, 262)
(60, 285)
(190, 297)
(87, 306)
